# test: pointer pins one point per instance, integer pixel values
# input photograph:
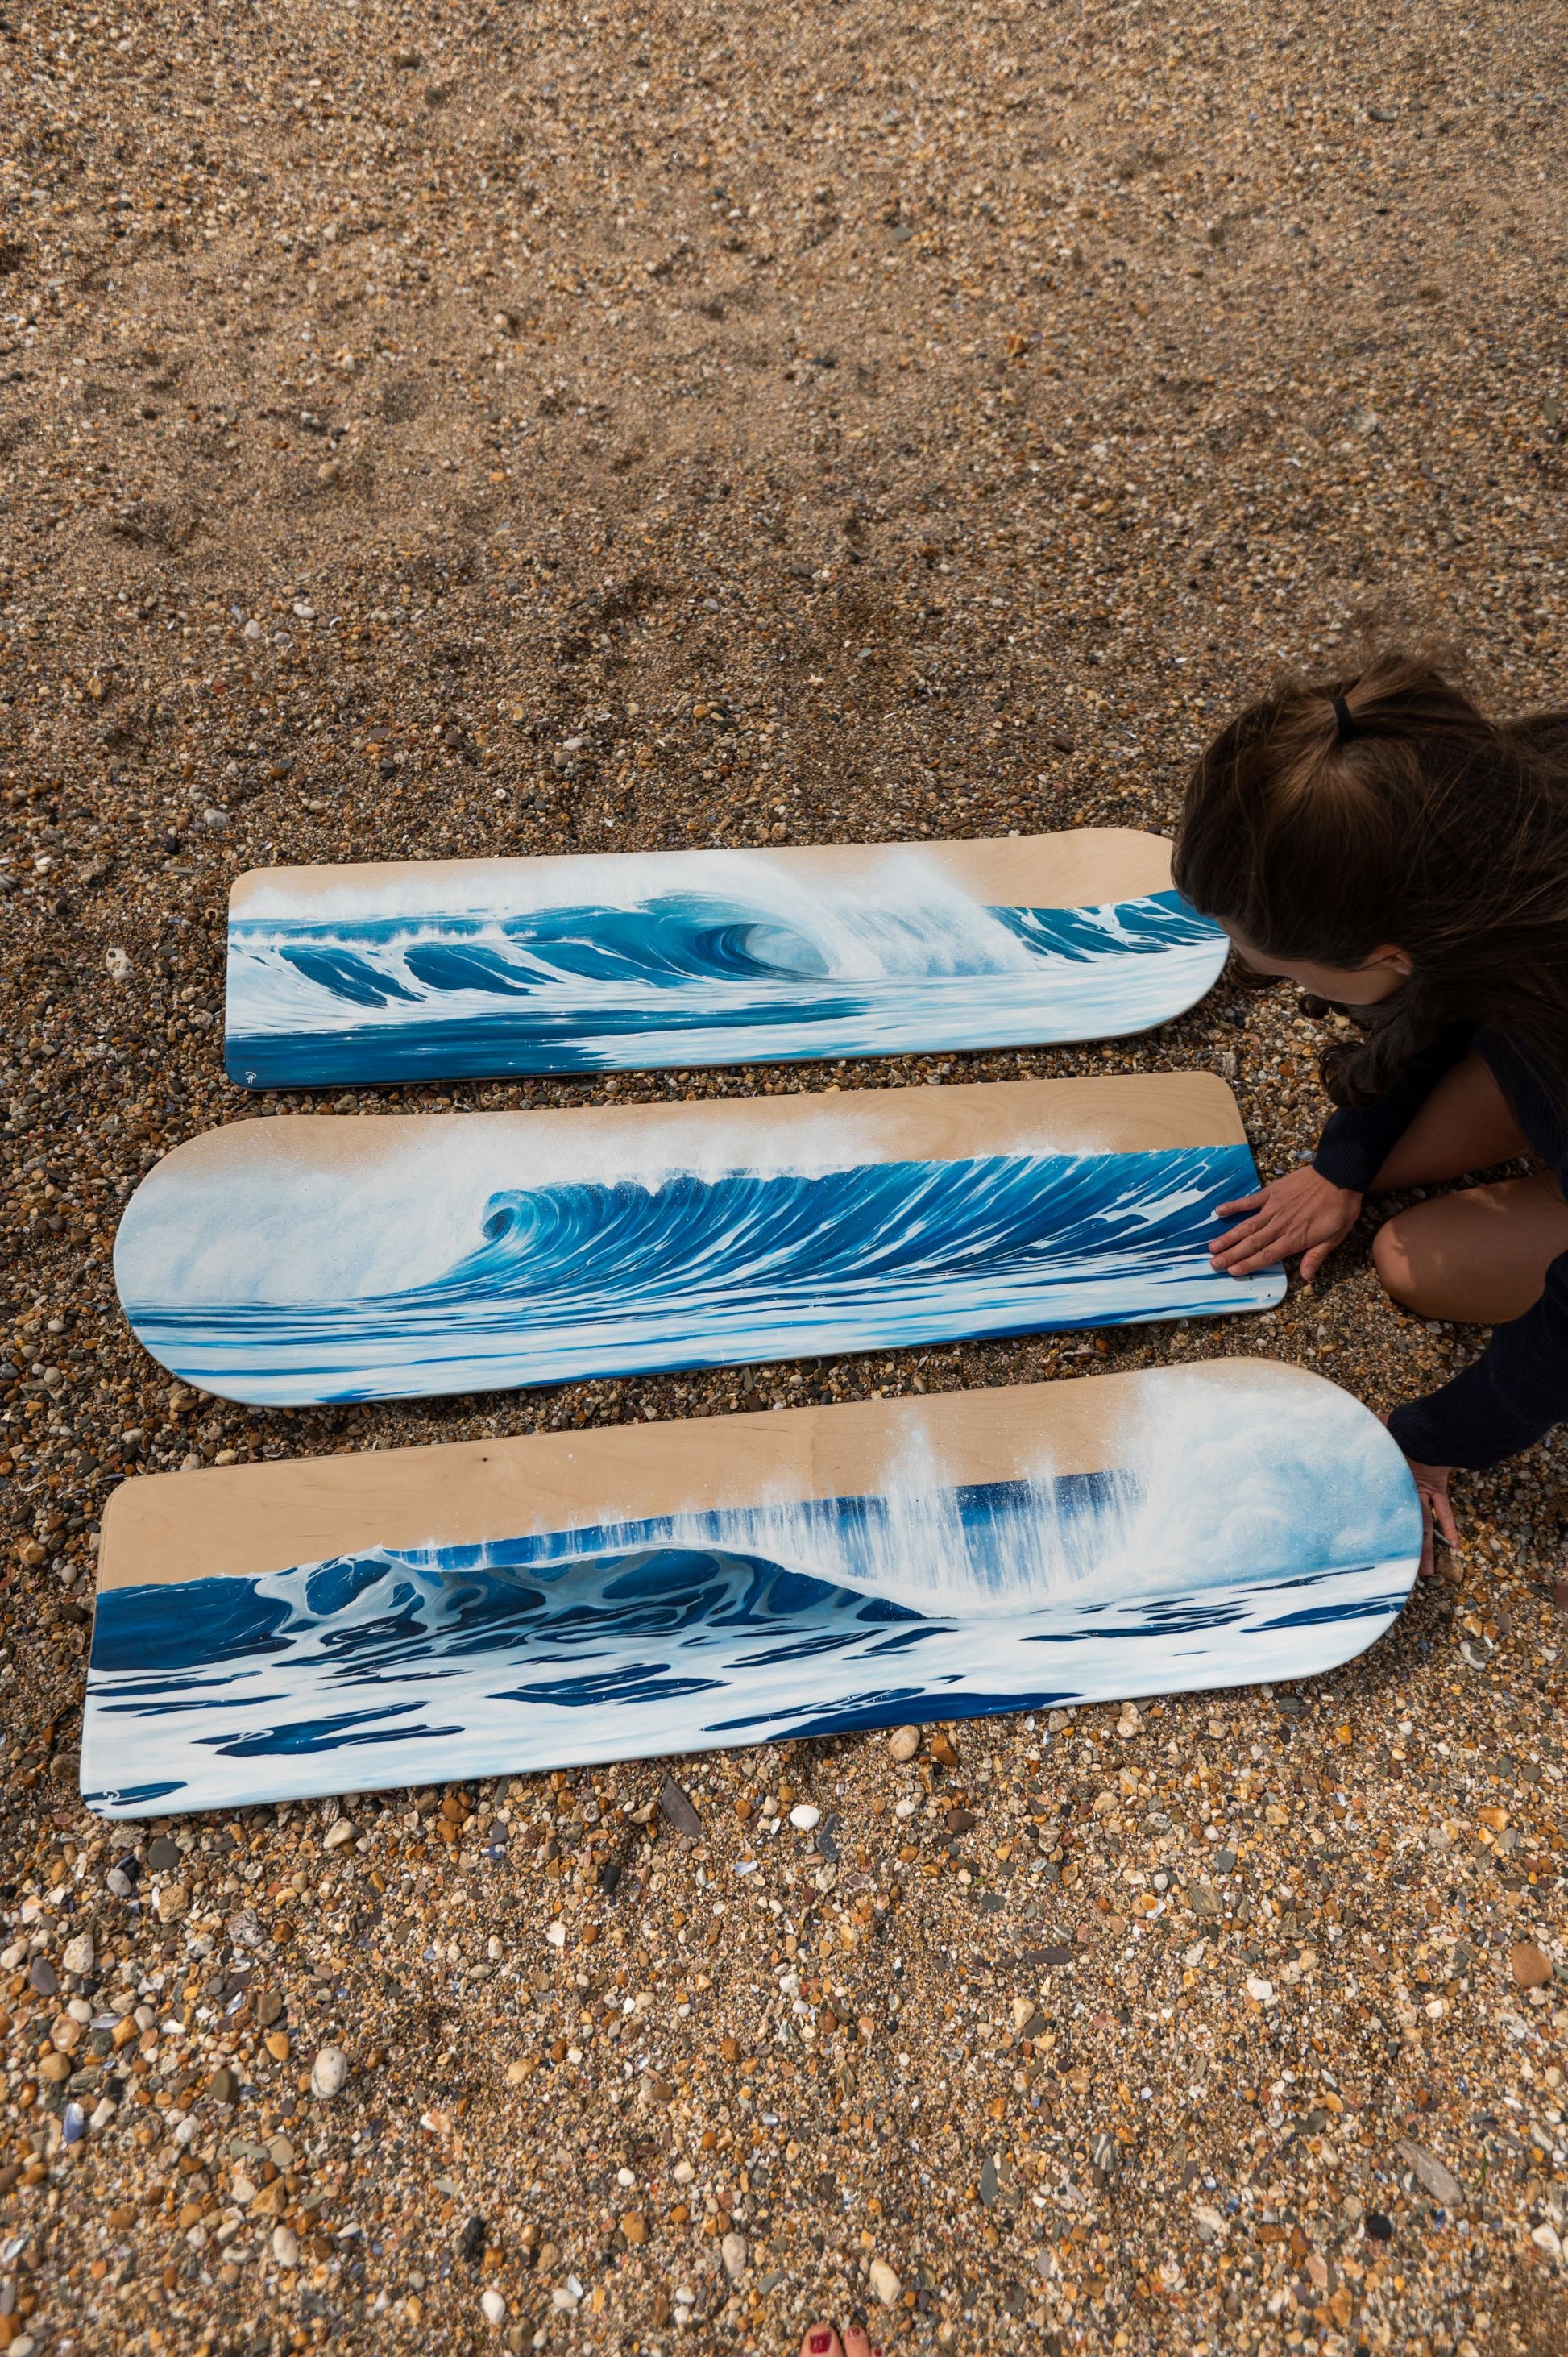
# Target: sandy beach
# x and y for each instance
(434, 432)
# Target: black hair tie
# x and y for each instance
(1344, 719)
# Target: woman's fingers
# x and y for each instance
(1243, 1203)
(1249, 1264)
(1253, 1245)
(1321, 1248)
(1442, 1511)
(1267, 1222)
(1436, 1510)
(1239, 1240)
(1300, 1214)
(1268, 1237)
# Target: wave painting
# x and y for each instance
(265, 1292)
(770, 969)
(1234, 1544)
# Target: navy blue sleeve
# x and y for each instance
(1517, 1390)
(1358, 1139)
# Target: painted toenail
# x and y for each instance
(819, 2343)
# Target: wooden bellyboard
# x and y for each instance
(448, 969)
(299, 1259)
(288, 1629)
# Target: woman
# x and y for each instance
(1388, 848)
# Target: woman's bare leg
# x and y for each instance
(1481, 1256)
(1466, 1123)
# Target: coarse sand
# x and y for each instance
(429, 431)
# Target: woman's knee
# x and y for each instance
(1397, 1257)
(1479, 1256)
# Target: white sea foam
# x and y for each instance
(903, 903)
(1246, 1530)
(405, 1213)
(1220, 1483)
(683, 959)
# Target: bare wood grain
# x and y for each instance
(1133, 1113)
(1081, 868)
(253, 1519)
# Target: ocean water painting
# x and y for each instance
(618, 961)
(1251, 1523)
(280, 1263)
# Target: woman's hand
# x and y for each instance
(1436, 1511)
(1302, 1212)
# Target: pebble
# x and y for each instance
(885, 2283)
(286, 2246)
(492, 2306)
(329, 2071)
(903, 1742)
(732, 2250)
(1531, 1966)
(677, 1810)
(1432, 2174)
(804, 1817)
(77, 1954)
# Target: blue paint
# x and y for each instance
(677, 1269)
(743, 1624)
(767, 969)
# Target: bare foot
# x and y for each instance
(855, 2343)
(822, 2340)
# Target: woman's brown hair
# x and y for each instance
(1331, 817)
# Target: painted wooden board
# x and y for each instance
(311, 1258)
(448, 968)
(417, 1615)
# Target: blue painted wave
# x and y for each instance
(740, 1625)
(693, 978)
(682, 1270)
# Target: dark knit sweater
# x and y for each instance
(1517, 1388)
